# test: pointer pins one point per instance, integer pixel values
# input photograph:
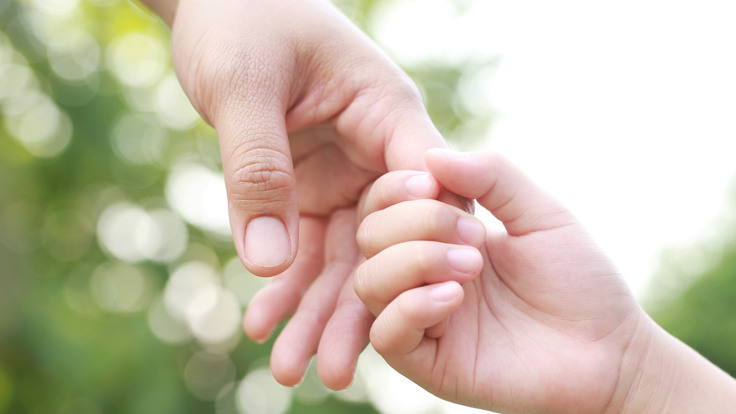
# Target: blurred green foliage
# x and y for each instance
(693, 295)
(89, 159)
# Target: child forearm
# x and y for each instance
(661, 374)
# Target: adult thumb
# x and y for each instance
(410, 134)
(499, 186)
(260, 182)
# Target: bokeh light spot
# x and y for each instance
(137, 59)
(259, 393)
(74, 55)
(56, 7)
(393, 393)
(173, 106)
(225, 402)
(37, 123)
(172, 237)
(164, 326)
(190, 286)
(206, 374)
(131, 234)
(241, 282)
(218, 322)
(6, 51)
(311, 391)
(476, 91)
(103, 3)
(140, 139)
(15, 79)
(193, 296)
(198, 195)
(119, 287)
(120, 227)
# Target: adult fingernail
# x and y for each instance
(444, 292)
(467, 260)
(471, 231)
(420, 185)
(266, 242)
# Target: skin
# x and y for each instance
(303, 103)
(308, 112)
(537, 318)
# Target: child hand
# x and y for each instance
(539, 319)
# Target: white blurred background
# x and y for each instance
(625, 110)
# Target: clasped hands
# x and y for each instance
(309, 114)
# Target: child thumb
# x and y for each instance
(499, 186)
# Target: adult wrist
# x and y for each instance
(166, 9)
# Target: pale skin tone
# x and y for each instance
(304, 104)
(537, 319)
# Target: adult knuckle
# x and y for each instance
(211, 81)
(235, 80)
(260, 176)
(245, 74)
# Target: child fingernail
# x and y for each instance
(471, 231)
(466, 260)
(444, 292)
(420, 185)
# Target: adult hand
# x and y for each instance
(539, 318)
(303, 103)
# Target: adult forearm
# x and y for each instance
(166, 9)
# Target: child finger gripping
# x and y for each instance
(534, 318)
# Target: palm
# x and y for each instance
(545, 331)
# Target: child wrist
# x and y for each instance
(646, 376)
